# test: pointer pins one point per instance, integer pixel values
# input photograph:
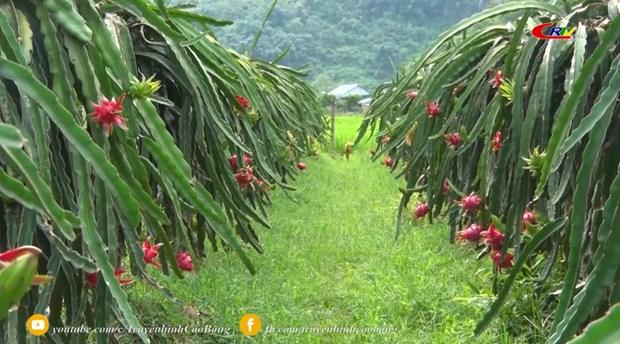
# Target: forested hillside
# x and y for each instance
(358, 41)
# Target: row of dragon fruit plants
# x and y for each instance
(130, 138)
(512, 138)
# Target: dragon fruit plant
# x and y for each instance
(112, 173)
(541, 118)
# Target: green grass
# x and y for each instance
(331, 260)
(346, 132)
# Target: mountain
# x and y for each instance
(341, 41)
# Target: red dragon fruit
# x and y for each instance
(30, 253)
(412, 95)
(243, 102)
(262, 185)
(12, 254)
(529, 218)
(385, 140)
(108, 113)
(471, 203)
(445, 188)
(244, 176)
(502, 262)
(473, 233)
(453, 140)
(247, 160)
(93, 277)
(433, 109)
(150, 253)
(493, 237)
(421, 210)
(234, 162)
(498, 79)
(496, 143)
(184, 260)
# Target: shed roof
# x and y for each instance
(349, 90)
(365, 101)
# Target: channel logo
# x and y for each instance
(250, 325)
(550, 31)
(37, 325)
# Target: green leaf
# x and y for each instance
(605, 103)
(569, 104)
(580, 204)
(66, 16)
(259, 33)
(602, 274)
(11, 137)
(75, 134)
(14, 189)
(176, 13)
(602, 331)
(96, 247)
(143, 9)
(41, 190)
(15, 281)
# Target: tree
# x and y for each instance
(323, 82)
(351, 40)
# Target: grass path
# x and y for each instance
(331, 260)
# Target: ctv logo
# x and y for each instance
(550, 31)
